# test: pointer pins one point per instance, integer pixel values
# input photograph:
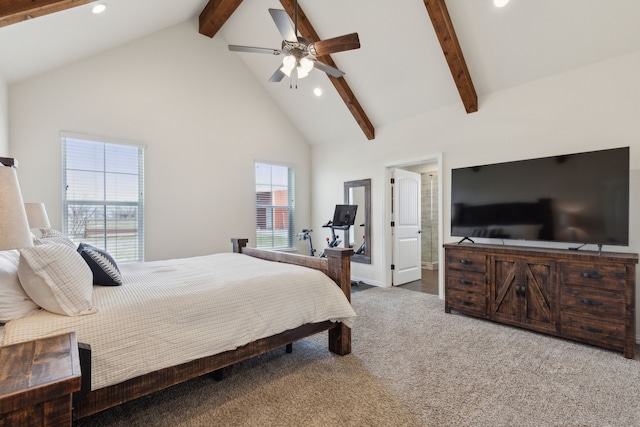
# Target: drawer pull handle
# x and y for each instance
(588, 329)
(465, 282)
(590, 302)
(592, 275)
(465, 262)
(466, 302)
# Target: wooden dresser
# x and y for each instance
(37, 379)
(579, 295)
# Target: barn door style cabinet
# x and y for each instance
(523, 292)
(579, 295)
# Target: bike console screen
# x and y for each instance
(344, 215)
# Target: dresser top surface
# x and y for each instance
(568, 254)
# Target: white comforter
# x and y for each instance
(171, 312)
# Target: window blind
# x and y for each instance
(274, 206)
(103, 189)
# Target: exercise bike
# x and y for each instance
(304, 235)
(343, 218)
(332, 242)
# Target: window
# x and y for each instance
(274, 206)
(102, 195)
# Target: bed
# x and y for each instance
(200, 315)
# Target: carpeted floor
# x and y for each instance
(412, 365)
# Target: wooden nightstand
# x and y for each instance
(37, 379)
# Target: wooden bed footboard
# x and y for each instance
(337, 266)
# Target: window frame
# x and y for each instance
(106, 204)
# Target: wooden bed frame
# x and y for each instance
(337, 266)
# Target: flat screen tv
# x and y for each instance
(573, 198)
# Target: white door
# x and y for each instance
(407, 259)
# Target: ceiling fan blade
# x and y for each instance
(284, 24)
(277, 76)
(335, 45)
(236, 48)
(332, 71)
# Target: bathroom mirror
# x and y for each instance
(359, 235)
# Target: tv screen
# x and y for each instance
(574, 198)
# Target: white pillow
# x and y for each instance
(57, 278)
(14, 302)
(50, 235)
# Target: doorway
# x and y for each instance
(431, 230)
(429, 224)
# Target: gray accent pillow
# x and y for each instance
(103, 266)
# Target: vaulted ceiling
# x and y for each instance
(415, 55)
(217, 12)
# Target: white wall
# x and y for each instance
(591, 108)
(4, 119)
(203, 117)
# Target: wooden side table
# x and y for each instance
(37, 379)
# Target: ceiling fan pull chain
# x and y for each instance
(293, 81)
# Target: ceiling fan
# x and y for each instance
(300, 56)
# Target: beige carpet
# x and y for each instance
(412, 365)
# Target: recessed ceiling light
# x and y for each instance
(317, 91)
(99, 8)
(500, 3)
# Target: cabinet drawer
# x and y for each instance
(467, 302)
(607, 332)
(597, 303)
(611, 276)
(467, 281)
(466, 260)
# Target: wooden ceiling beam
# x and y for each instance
(14, 11)
(306, 30)
(443, 26)
(215, 14)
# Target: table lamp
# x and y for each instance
(14, 226)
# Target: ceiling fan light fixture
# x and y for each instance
(304, 66)
(288, 62)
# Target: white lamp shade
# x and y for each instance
(304, 65)
(37, 215)
(14, 227)
(288, 62)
